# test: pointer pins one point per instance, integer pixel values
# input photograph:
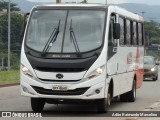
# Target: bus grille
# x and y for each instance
(60, 69)
(78, 91)
(46, 80)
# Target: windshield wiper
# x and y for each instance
(73, 38)
(51, 39)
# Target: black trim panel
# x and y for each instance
(61, 65)
(78, 91)
(46, 80)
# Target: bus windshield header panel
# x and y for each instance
(65, 31)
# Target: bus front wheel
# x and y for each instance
(103, 104)
(37, 104)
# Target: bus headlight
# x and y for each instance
(26, 71)
(99, 70)
(96, 72)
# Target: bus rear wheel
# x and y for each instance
(132, 94)
(157, 77)
(37, 104)
(103, 104)
(124, 98)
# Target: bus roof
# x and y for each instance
(75, 4)
(112, 8)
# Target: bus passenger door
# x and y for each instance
(112, 49)
(112, 60)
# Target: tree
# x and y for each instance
(4, 5)
(84, 1)
(16, 39)
(152, 29)
(16, 28)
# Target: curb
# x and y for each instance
(7, 85)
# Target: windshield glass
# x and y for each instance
(87, 25)
(149, 60)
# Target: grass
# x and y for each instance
(9, 77)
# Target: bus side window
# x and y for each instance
(111, 41)
(140, 43)
(137, 30)
(134, 33)
(128, 32)
(121, 22)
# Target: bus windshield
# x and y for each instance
(84, 28)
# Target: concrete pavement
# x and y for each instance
(11, 100)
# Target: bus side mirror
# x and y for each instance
(26, 16)
(116, 31)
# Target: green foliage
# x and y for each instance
(16, 28)
(84, 1)
(152, 29)
(9, 77)
(15, 60)
(154, 53)
(16, 38)
(4, 5)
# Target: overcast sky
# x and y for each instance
(149, 2)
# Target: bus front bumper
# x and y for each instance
(86, 90)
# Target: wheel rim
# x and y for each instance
(134, 91)
(109, 99)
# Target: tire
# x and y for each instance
(103, 104)
(124, 97)
(129, 96)
(154, 79)
(37, 104)
(132, 94)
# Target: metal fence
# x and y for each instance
(15, 61)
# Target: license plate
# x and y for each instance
(60, 88)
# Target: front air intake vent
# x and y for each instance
(45, 80)
(78, 91)
(60, 69)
